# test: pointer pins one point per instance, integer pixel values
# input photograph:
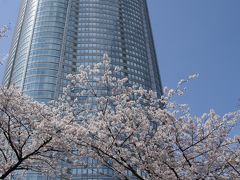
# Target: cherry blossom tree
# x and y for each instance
(31, 135)
(3, 32)
(128, 130)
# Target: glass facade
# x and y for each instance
(54, 37)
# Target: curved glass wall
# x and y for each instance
(54, 37)
(15, 42)
(23, 34)
(45, 53)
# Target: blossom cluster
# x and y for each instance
(132, 131)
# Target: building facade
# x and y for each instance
(54, 37)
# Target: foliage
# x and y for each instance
(123, 127)
(3, 32)
(30, 134)
(128, 131)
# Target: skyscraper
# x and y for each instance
(54, 37)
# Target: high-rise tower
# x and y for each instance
(54, 37)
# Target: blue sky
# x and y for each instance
(191, 36)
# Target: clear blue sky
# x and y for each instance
(191, 36)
